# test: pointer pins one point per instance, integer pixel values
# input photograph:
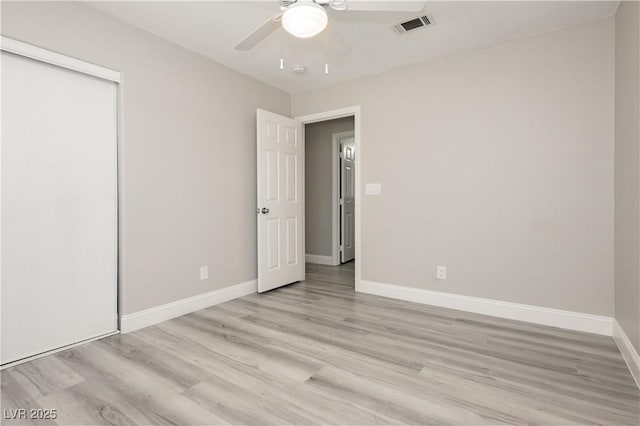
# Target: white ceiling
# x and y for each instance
(213, 28)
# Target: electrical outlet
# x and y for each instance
(204, 273)
(441, 272)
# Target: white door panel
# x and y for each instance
(59, 201)
(348, 201)
(280, 207)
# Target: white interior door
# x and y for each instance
(347, 199)
(280, 201)
(59, 207)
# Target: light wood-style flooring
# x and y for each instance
(316, 353)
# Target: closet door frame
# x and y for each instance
(30, 51)
(43, 55)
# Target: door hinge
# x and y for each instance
(341, 248)
(341, 201)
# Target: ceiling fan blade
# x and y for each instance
(384, 6)
(260, 33)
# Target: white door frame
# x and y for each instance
(352, 111)
(47, 56)
(335, 194)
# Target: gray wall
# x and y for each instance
(188, 163)
(627, 166)
(501, 165)
(497, 164)
(318, 164)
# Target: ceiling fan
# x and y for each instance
(307, 18)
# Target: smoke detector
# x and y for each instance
(299, 69)
(413, 24)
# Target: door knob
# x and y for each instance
(265, 210)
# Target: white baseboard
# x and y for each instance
(535, 314)
(629, 353)
(321, 260)
(158, 314)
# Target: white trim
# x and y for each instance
(120, 178)
(158, 314)
(627, 350)
(535, 314)
(329, 115)
(304, 201)
(321, 260)
(339, 113)
(53, 351)
(335, 193)
(43, 55)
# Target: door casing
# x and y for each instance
(335, 194)
(352, 111)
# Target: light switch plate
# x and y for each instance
(373, 189)
(204, 273)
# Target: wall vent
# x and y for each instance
(413, 24)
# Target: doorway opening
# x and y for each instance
(330, 192)
(353, 111)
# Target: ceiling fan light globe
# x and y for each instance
(304, 20)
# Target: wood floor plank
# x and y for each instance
(317, 353)
(13, 397)
(44, 376)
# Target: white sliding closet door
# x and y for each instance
(59, 207)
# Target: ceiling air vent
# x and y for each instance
(413, 24)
